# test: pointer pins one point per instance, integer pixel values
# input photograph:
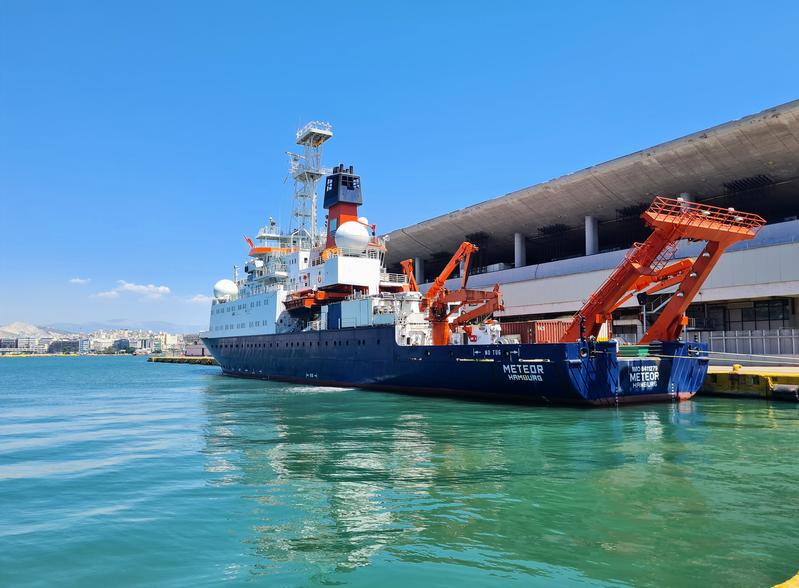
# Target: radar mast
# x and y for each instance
(306, 170)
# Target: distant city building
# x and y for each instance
(64, 346)
(121, 345)
(42, 345)
(27, 344)
(100, 344)
(102, 341)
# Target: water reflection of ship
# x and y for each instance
(318, 479)
(339, 479)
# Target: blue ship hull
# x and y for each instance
(556, 373)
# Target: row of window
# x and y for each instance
(761, 314)
(228, 327)
(229, 308)
(289, 345)
(237, 326)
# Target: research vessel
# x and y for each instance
(319, 307)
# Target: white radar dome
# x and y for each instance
(352, 235)
(363, 220)
(225, 289)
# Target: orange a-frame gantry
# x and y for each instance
(441, 303)
(647, 263)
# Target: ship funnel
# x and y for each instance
(342, 199)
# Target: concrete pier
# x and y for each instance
(770, 383)
(204, 360)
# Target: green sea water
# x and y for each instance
(117, 472)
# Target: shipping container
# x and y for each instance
(536, 331)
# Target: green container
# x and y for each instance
(633, 350)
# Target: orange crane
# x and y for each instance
(437, 299)
(464, 253)
(490, 301)
(660, 280)
(407, 269)
(647, 263)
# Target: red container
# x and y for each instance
(549, 331)
(523, 329)
(536, 331)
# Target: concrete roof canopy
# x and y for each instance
(703, 163)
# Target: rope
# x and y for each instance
(789, 357)
(782, 363)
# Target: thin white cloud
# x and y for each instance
(145, 291)
(80, 281)
(200, 299)
(148, 291)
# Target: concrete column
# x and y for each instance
(519, 252)
(591, 235)
(418, 270)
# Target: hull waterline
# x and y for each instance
(557, 373)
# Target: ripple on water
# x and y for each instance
(118, 472)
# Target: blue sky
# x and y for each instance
(140, 140)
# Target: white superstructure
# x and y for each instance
(305, 280)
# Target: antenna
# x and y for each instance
(306, 170)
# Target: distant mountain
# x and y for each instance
(19, 329)
(111, 324)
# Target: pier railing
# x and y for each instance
(369, 252)
(754, 342)
(387, 277)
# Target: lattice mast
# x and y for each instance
(306, 170)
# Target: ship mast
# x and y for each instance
(306, 170)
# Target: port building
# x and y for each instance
(551, 245)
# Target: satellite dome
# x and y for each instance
(225, 289)
(363, 220)
(352, 235)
